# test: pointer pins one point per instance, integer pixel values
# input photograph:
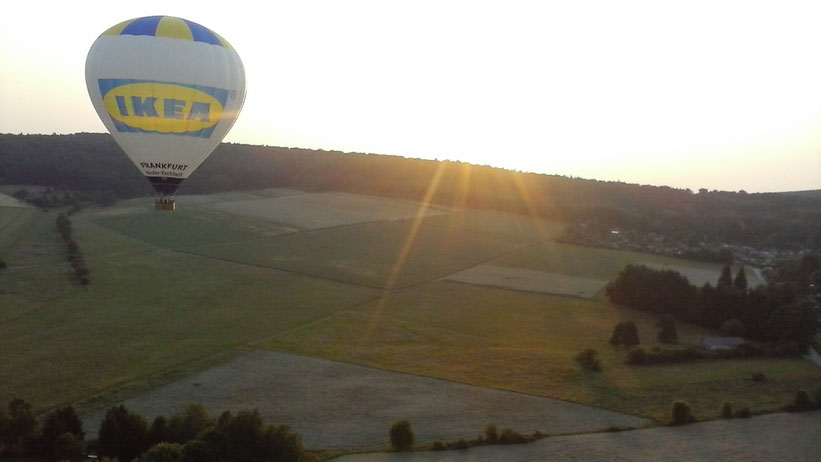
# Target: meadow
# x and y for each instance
(174, 294)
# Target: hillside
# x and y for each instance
(94, 163)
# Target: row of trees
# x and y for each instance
(60, 437)
(767, 313)
(189, 436)
(75, 257)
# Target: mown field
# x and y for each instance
(172, 294)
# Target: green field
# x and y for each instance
(174, 293)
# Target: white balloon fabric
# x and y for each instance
(168, 90)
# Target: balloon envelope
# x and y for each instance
(168, 90)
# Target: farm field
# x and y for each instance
(8, 201)
(528, 280)
(527, 342)
(324, 210)
(605, 264)
(342, 406)
(172, 295)
(766, 438)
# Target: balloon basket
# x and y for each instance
(165, 203)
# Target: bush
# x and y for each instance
(625, 333)
(588, 360)
(726, 410)
(163, 452)
(439, 446)
(744, 413)
(637, 356)
(801, 402)
(758, 377)
(682, 414)
(402, 436)
(2, 263)
(461, 444)
(491, 434)
(511, 436)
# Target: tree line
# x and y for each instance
(93, 163)
(191, 435)
(771, 313)
(75, 257)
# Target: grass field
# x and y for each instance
(171, 294)
(529, 280)
(527, 342)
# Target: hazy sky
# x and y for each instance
(716, 94)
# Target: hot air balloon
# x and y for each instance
(168, 90)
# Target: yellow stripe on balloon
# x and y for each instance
(224, 42)
(172, 27)
(118, 29)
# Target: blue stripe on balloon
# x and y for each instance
(142, 26)
(202, 34)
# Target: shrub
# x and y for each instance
(682, 414)
(758, 377)
(461, 444)
(726, 410)
(637, 356)
(439, 446)
(2, 263)
(625, 333)
(401, 436)
(744, 413)
(491, 434)
(817, 397)
(802, 401)
(163, 452)
(588, 360)
(511, 436)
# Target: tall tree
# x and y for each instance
(21, 430)
(740, 281)
(123, 434)
(725, 281)
(54, 444)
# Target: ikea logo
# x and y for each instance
(163, 107)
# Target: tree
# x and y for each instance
(68, 447)
(625, 333)
(186, 425)
(21, 428)
(740, 281)
(123, 434)
(54, 442)
(667, 330)
(726, 410)
(163, 452)
(491, 434)
(725, 281)
(588, 360)
(402, 436)
(682, 414)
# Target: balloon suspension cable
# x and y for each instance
(166, 203)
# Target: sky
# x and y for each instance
(690, 94)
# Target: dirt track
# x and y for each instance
(342, 406)
(768, 438)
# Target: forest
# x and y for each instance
(93, 166)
